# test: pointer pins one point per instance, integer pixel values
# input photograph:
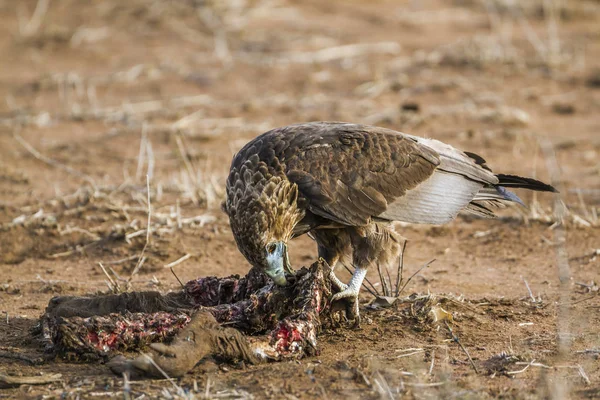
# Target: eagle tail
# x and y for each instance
(497, 196)
(515, 181)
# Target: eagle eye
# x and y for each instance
(271, 247)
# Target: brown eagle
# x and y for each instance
(344, 184)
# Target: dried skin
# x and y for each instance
(201, 337)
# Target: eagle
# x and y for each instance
(344, 185)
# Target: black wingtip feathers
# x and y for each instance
(514, 181)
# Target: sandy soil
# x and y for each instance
(96, 95)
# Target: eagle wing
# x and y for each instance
(350, 174)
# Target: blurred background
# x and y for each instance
(105, 104)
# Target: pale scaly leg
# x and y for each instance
(341, 286)
(335, 281)
(352, 290)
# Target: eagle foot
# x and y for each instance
(335, 281)
(347, 302)
(350, 294)
(347, 311)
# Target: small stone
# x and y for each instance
(563, 108)
(593, 79)
(411, 106)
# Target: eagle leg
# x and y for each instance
(332, 244)
(341, 286)
(335, 281)
(351, 292)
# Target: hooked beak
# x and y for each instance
(278, 263)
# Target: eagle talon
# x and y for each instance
(351, 298)
(351, 309)
(345, 294)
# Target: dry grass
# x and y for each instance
(177, 105)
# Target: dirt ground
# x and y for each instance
(95, 96)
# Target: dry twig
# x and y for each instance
(178, 261)
(400, 271)
(455, 339)
(112, 284)
(15, 381)
(427, 264)
(141, 258)
(35, 22)
(51, 162)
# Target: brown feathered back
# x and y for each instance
(350, 173)
(318, 174)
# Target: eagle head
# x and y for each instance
(277, 262)
(262, 219)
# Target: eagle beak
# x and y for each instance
(278, 263)
(277, 276)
